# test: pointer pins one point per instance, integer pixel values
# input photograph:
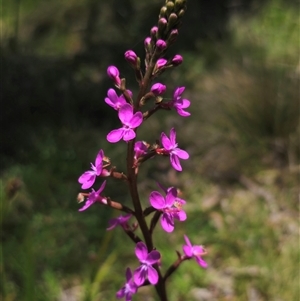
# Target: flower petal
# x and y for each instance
(166, 141)
(173, 136)
(141, 251)
(87, 179)
(171, 196)
(140, 275)
(152, 275)
(99, 159)
(136, 120)
(153, 257)
(175, 162)
(115, 135)
(157, 201)
(201, 262)
(126, 113)
(187, 251)
(187, 241)
(181, 154)
(129, 134)
(167, 222)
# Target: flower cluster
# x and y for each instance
(166, 207)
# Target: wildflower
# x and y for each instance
(121, 220)
(114, 100)
(171, 207)
(129, 288)
(94, 197)
(130, 121)
(180, 104)
(87, 179)
(194, 251)
(145, 270)
(170, 147)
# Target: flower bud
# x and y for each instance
(177, 60)
(113, 73)
(131, 57)
(154, 30)
(161, 44)
(163, 11)
(160, 63)
(158, 89)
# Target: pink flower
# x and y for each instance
(114, 100)
(129, 288)
(180, 104)
(161, 44)
(160, 63)
(170, 147)
(194, 251)
(145, 270)
(140, 149)
(171, 207)
(87, 179)
(130, 121)
(94, 197)
(121, 220)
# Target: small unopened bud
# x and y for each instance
(163, 12)
(161, 44)
(158, 89)
(160, 63)
(170, 6)
(147, 43)
(181, 13)
(154, 30)
(113, 73)
(131, 57)
(172, 20)
(173, 36)
(177, 60)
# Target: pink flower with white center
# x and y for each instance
(129, 288)
(87, 179)
(170, 148)
(180, 104)
(94, 197)
(145, 270)
(130, 121)
(194, 251)
(121, 220)
(114, 100)
(170, 206)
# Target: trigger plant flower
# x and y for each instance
(87, 179)
(114, 100)
(94, 196)
(121, 220)
(180, 104)
(145, 270)
(194, 251)
(170, 206)
(129, 288)
(170, 148)
(130, 121)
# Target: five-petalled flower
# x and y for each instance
(130, 121)
(129, 288)
(146, 270)
(87, 179)
(194, 251)
(170, 148)
(170, 206)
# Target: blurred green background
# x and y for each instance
(241, 71)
